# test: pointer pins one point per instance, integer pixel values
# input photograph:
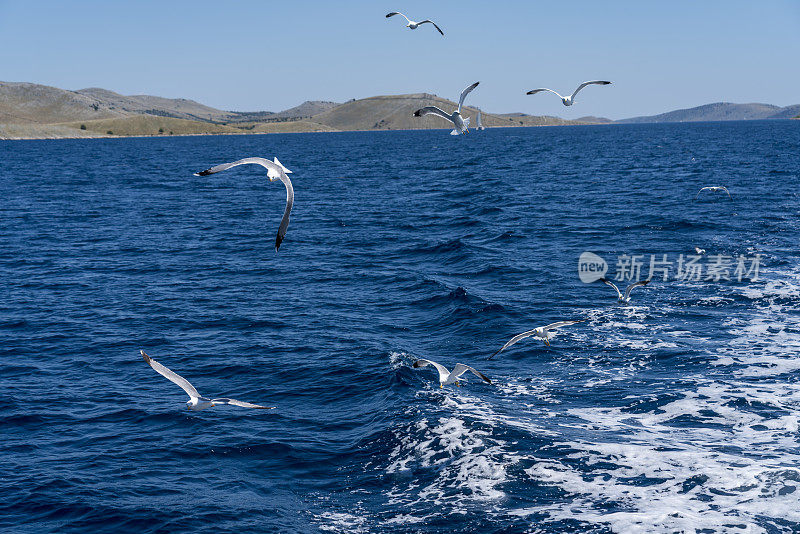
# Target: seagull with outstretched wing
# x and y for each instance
(461, 124)
(449, 377)
(626, 297)
(569, 100)
(196, 401)
(413, 25)
(713, 189)
(275, 171)
(542, 332)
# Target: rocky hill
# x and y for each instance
(31, 110)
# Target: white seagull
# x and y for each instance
(449, 377)
(460, 123)
(569, 100)
(196, 401)
(626, 298)
(478, 124)
(699, 250)
(542, 332)
(412, 25)
(275, 171)
(713, 189)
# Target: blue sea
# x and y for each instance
(677, 413)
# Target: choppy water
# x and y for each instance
(679, 412)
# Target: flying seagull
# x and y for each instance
(699, 250)
(713, 189)
(542, 332)
(275, 171)
(478, 124)
(460, 123)
(413, 25)
(447, 377)
(569, 100)
(626, 298)
(196, 401)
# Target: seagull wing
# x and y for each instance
(635, 284)
(443, 372)
(559, 324)
(460, 369)
(432, 110)
(434, 25)
(393, 13)
(584, 84)
(513, 340)
(464, 94)
(701, 190)
(534, 91)
(274, 170)
(726, 190)
(171, 376)
(612, 284)
(243, 404)
(287, 211)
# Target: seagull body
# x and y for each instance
(461, 124)
(626, 298)
(713, 189)
(275, 171)
(196, 401)
(542, 332)
(569, 100)
(478, 125)
(413, 25)
(449, 377)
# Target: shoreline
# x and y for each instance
(40, 138)
(165, 136)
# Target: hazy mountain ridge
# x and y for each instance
(720, 111)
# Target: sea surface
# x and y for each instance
(677, 413)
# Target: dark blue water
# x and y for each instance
(678, 412)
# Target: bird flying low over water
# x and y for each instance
(542, 332)
(275, 171)
(569, 100)
(412, 25)
(713, 189)
(449, 377)
(196, 401)
(626, 298)
(461, 124)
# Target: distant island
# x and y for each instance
(33, 111)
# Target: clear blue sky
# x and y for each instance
(271, 55)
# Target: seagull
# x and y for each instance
(542, 332)
(699, 250)
(626, 298)
(413, 25)
(459, 123)
(713, 189)
(479, 125)
(275, 171)
(447, 377)
(196, 401)
(569, 100)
